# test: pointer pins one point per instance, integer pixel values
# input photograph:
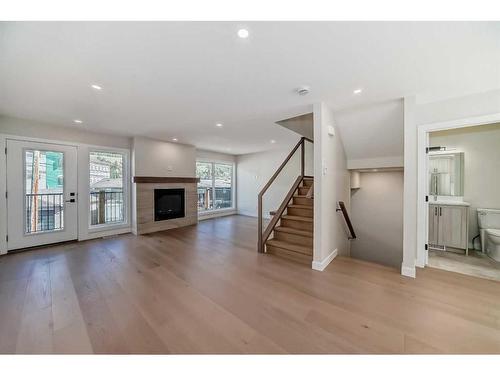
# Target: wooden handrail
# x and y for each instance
(263, 236)
(347, 219)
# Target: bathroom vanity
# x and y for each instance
(448, 213)
(449, 225)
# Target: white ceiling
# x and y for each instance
(178, 79)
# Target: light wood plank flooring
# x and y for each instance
(205, 289)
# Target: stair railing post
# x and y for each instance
(302, 156)
(260, 248)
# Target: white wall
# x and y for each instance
(455, 109)
(377, 215)
(215, 156)
(331, 184)
(154, 158)
(481, 147)
(13, 128)
(254, 171)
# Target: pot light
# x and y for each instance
(96, 87)
(219, 125)
(273, 141)
(78, 121)
(357, 91)
(174, 139)
(243, 33)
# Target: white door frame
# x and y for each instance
(423, 142)
(84, 233)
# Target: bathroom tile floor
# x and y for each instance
(476, 264)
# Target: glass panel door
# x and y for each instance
(41, 193)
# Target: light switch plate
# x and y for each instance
(331, 130)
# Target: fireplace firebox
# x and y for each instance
(169, 204)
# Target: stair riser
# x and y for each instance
(303, 190)
(303, 201)
(293, 238)
(297, 224)
(294, 211)
(301, 258)
(307, 182)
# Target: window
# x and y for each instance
(107, 193)
(44, 202)
(215, 189)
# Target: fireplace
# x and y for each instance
(169, 204)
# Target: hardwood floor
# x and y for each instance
(205, 289)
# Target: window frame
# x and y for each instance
(233, 185)
(126, 191)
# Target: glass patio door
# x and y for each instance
(41, 193)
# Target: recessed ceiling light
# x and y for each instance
(78, 121)
(219, 125)
(243, 33)
(273, 141)
(357, 91)
(96, 87)
(174, 139)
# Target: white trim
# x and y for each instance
(126, 190)
(422, 187)
(382, 162)
(106, 233)
(422, 143)
(320, 266)
(233, 185)
(408, 271)
(217, 213)
(3, 200)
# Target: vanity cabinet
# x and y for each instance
(448, 226)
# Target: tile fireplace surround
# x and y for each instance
(144, 203)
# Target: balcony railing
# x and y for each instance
(223, 198)
(106, 207)
(44, 212)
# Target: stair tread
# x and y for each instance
(303, 206)
(303, 249)
(298, 218)
(298, 232)
(303, 196)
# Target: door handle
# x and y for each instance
(72, 200)
(440, 211)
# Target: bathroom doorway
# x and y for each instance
(463, 200)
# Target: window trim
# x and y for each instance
(126, 191)
(233, 185)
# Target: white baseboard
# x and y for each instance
(408, 271)
(106, 233)
(211, 215)
(320, 266)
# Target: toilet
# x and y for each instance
(489, 229)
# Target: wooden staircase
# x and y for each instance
(289, 233)
(293, 237)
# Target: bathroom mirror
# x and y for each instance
(446, 173)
